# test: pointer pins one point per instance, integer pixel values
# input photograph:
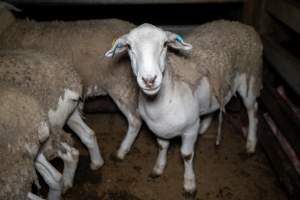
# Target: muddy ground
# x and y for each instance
(224, 173)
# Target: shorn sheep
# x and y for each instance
(83, 43)
(24, 131)
(177, 89)
(57, 87)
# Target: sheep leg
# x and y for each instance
(251, 137)
(219, 134)
(43, 132)
(52, 177)
(161, 160)
(189, 138)
(70, 157)
(205, 123)
(249, 100)
(134, 125)
(87, 136)
(31, 196)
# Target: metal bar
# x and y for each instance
(286, 11)
(110, 2)
(285, 171)
(286, 65)
(285, 122)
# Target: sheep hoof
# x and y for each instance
(67, 187)
(250, 147)
(120, 155)
(114, 157)
(154, 175)
(190, 194)
(95, 166)
(217, 147)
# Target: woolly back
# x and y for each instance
(20, 118)
(40, 75)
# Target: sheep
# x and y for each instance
(83, 44)
(176, 88)
(24, 130)
(6, 16)
(57, 87)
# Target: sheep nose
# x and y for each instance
(149, 82)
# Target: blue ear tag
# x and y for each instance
(119, 45)
(179, 38)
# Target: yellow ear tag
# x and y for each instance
(113, 42)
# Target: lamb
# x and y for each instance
(24, 129)
(57, 87)
(83, 43)
(176, 89)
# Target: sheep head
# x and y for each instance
(147, 48)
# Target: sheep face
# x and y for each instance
(147, 48)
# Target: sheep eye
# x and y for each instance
(128, 46)
(165, 44)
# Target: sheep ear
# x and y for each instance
(118, 46)
(176, 41)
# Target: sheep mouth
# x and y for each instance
(151, 91)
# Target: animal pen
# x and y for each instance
(224, 171)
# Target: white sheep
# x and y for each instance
(56, 85)
(83, 43)
(177, 89)
(24, 129)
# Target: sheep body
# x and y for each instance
(83, 44)
(176, 89)
(221, 49)
(40, 75)
(57, 86)
(25, 133)
(20, 120)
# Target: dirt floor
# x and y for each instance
(223, 173)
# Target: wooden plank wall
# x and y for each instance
(277, 21)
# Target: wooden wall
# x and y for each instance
(278, 22)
